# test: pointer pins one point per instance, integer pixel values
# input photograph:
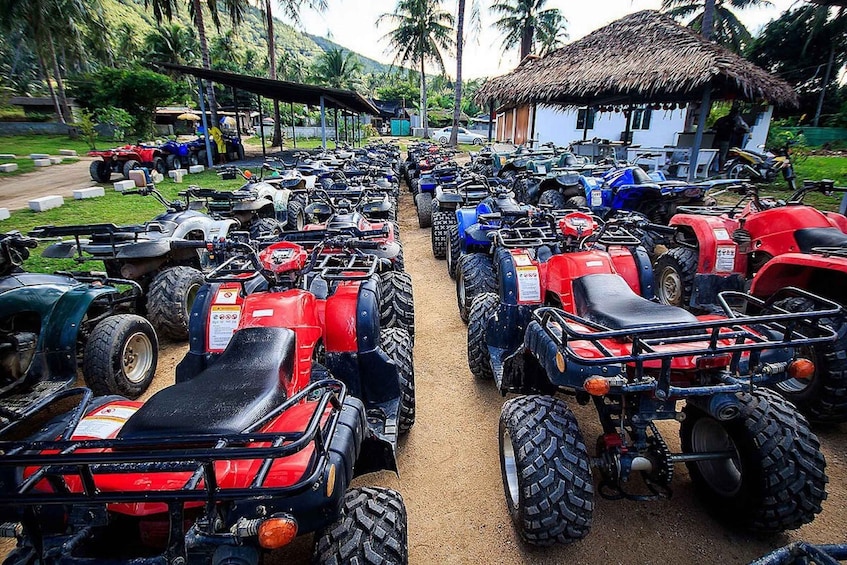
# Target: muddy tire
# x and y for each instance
(775, 481)
(674, 276)
(423, 202)
(441, 222)
(120, 356)
(575, 202)
(396, 303)
(370, 529)
(546, 471)
(552, 198)
(823, 398)
(296, 218)
(475, 276)
(454, 250)
(397, 344)
(263, 227)
(100, 171)
(170, 298)
(128, 166)
(483, 309)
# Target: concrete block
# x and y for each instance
(122, 185)
(8, 167)
(35, 156)
(46, 203)
(4, 214)
(196, 169)
(7, 156)
(182, 172)
(139, 177)
(93, 192)
(42, 162)
(56, 160)
(177, 175)
(68, 152)
(156, 177)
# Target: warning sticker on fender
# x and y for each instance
(226, 296)
(725, 262)
(521, 260)
(104, 423)
(222, 323)
(529, 284)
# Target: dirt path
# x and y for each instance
(17, 191)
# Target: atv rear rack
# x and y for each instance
(734, 335)
(830, 251)
(195, 453)
(336, 266)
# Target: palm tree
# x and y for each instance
(727, 29)
(337, 69)
(171, 43)
(422, 31)
(523, 22)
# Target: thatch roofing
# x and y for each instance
(644, 57)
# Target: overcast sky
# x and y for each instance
(352, 24)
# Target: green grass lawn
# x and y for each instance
(26, 165)
(812, 168)
(22, 145)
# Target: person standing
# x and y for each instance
(729, 132)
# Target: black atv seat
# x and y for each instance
(808, 238)
(242, 386)
(607, 299)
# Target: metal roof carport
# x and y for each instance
(345, 100)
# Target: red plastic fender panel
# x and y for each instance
(718, 253)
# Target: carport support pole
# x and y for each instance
(209, 161)
(698, 136)
(335, 123)
(261, 124)
(490, 120)
(323, 123)
(237, 114)
(293, 131)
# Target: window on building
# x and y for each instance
(584, 114)
(641, 118)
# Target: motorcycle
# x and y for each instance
(762, 167)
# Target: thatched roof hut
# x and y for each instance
(644, 57)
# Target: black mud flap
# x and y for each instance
(704, 294)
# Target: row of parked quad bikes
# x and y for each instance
(265, 286)
(632, 293)
(299, 374)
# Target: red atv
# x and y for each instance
(256, 443)
(570, 323)
(122, 160)
(764, 245)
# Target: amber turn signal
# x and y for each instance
(801, 369)
(277, 531)
(596, 386)
(247, 174)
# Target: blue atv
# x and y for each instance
(424, 189)
(179, 155)
(466, 192)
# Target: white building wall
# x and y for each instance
(759, 129)
(559, 126)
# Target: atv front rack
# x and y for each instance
(54, 460)
(525, 236)
(733, 336)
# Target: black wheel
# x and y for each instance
(239, 152)
(774, 480)
(202, 158)
(397, 344)
(265, 227)
(370, 528)
(413, 186)
(100, 171)
(478, 141)
(194, 159)
(399, 261)
(120, 356)
(396, 227)
(172, 162)
(169, 300)
(454, 250)
(441, 222)
(423, 201)
(128, 166)
(552, 198)
(521, 189)
(823, 398)
(159, 165)
(474, 276)
(737, 170)
(296, 218)
(546, 471)
(396, 303)
(576, 202)
(483, 309)
(674, 276)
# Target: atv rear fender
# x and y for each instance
(818, 273)
(713, 236)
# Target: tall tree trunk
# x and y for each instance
(457, 102)
(526, 41)
(60, 86)
(424, 122)
(826, 76)
(49, 82)
(207, 62)
(277, 136)
(708, 19)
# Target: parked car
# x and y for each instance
(465, 136)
